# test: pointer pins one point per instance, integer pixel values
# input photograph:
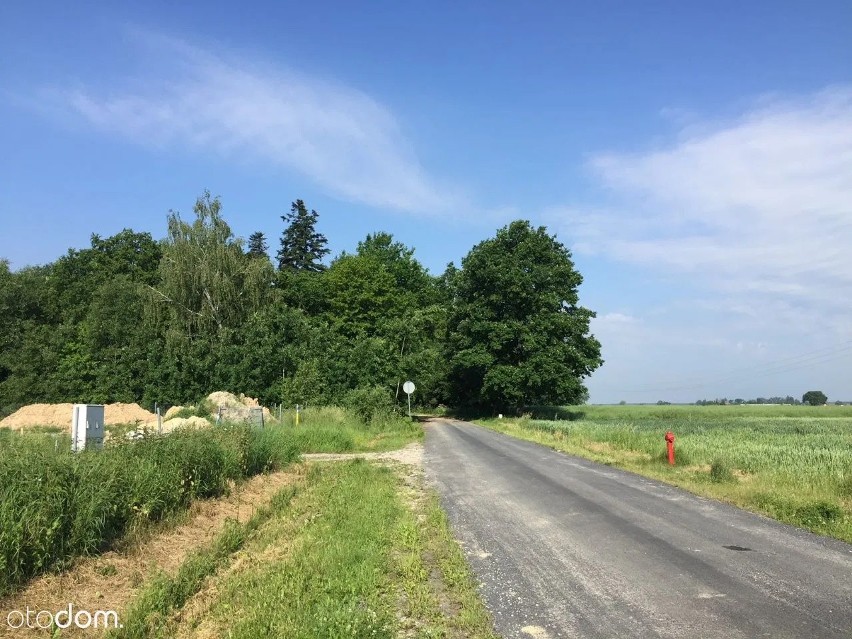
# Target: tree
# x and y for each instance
(517, 335)
(814, 398)
(208, 288)
(257, 245)
(412, 280)
(302, 247)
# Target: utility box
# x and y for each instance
(87, 427)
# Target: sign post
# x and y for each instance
(409, 388)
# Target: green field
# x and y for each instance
(793, 463)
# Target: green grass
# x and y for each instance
(331, 429)
(55, 505)
(331, 582)
(793, 463)
(356, 554)
(441, 599)
(150, 613)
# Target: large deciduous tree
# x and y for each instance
(302, 247)
(814, 398)
(518, 335)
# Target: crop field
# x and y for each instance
(793, 463)
(56, 505)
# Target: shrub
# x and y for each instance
(369, 403)
(202, 408)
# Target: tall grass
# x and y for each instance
(56, 505)
(331, 429)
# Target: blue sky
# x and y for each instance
(695, 156)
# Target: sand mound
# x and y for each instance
(184, 422)
(235, 408)
(174, 410)
(168, 426)
(59, 415)
(126, 414)
(40, 415)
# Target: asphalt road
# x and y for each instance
(564, 547)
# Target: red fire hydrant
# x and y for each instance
(670, 446)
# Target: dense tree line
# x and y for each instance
(811, 397)
(135, 319)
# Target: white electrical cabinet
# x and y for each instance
(87, 427)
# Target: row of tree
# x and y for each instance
(134, 319)
(813, 398)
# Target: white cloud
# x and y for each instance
(337, 136)
(748, 224)
(760, 207)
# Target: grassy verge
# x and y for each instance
(356, 554)
(796, 468)
(334, 430)
(439, 595)
(56, 505)
(150, 613)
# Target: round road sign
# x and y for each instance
(408, 387)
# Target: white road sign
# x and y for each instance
(408, 387)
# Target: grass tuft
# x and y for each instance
(720, 471)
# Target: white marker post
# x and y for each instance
(409, 388)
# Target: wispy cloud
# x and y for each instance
(749, 223)
(341, 138)
(760, 207)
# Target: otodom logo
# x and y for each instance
(65, 618)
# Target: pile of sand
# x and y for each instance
(172, 412)
(152, 428)
(178, 422)
(235, 408)
(60, 415)
(185, 422)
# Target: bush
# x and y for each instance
(555, 413)
(369, 403)
(200, 410)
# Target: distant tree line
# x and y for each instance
(813, 398)
(132, 318)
